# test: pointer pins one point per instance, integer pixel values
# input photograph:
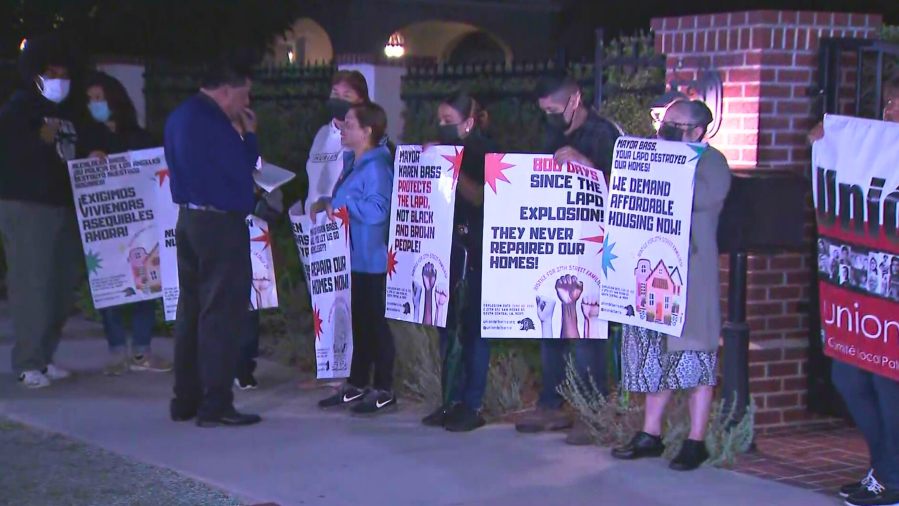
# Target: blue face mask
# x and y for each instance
(100, 111)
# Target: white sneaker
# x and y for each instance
(55, 373)
(33, 379)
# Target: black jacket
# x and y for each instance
(31, 170)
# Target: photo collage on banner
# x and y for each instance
(646, 255)
(421, 233)
(114, 202)
(324, 249)
(855, 186)
(543, 248)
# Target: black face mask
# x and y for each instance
(557, 121)
(449, 134)
(670, 132)
(338, 108)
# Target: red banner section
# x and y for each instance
(860, 329)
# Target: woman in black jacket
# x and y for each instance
(116, 131)
(460, 118)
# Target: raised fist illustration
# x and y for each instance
(569, 289)
(590, 306)
(545, 307)
(429, 276)
(416, 293)
(441, 294)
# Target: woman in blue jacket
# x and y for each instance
(365, 187)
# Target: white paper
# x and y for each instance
(271, 177)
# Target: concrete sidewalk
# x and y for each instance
(302, 456)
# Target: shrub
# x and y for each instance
(615, 419)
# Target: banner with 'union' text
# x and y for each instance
(855, 186)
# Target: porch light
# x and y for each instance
(22, 44)
(394, 47)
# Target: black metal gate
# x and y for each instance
(851, 77)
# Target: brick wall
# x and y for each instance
(767, 61)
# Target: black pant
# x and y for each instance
(215, 276)
(249, 348)
(372, 339)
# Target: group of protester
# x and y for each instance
(211, 150)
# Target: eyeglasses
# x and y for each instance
(678, 125)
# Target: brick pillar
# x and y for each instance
(767, 61)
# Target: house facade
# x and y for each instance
(659, 292)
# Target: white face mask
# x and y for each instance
(54, 90)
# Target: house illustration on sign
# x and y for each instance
(659, 292)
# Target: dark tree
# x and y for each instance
(185, 30)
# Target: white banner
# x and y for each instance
(854, 185)
(114, 200)
(166, 220)
(263, 292)
(421, 233)
(543, 235)
(648, 233)
(301, 225)
(330, 283)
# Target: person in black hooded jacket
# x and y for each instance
(39, 134)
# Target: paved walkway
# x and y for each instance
(302, 456)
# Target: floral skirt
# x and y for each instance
(647, 366)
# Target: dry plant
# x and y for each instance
(615, 419)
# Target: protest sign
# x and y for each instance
(300, 224)
(330, 284)
(166, 220)
(114, 200)
(647, 243)
(264, 293)
(855, 187)
(421, 233)
(543, 237)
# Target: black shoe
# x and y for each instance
(374, 402)
(692, 454)
(859, 486)
(465, 419)
(438, 417)
(229, 419)
(874, 494)
(182, 411)
(642, 445)
(246, 382)
(345, 395)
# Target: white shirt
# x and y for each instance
(325, 163)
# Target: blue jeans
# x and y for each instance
(873, 402)
(143, 316)
(472, 380)
(589, 359)
(249, 348)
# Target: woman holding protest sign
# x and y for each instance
(460, 118)
(365, 189)
(325, 164)
(657, 365)
(117, 131)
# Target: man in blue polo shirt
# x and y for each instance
(212, 180)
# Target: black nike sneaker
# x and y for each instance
(346, 394)
(375, 402)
